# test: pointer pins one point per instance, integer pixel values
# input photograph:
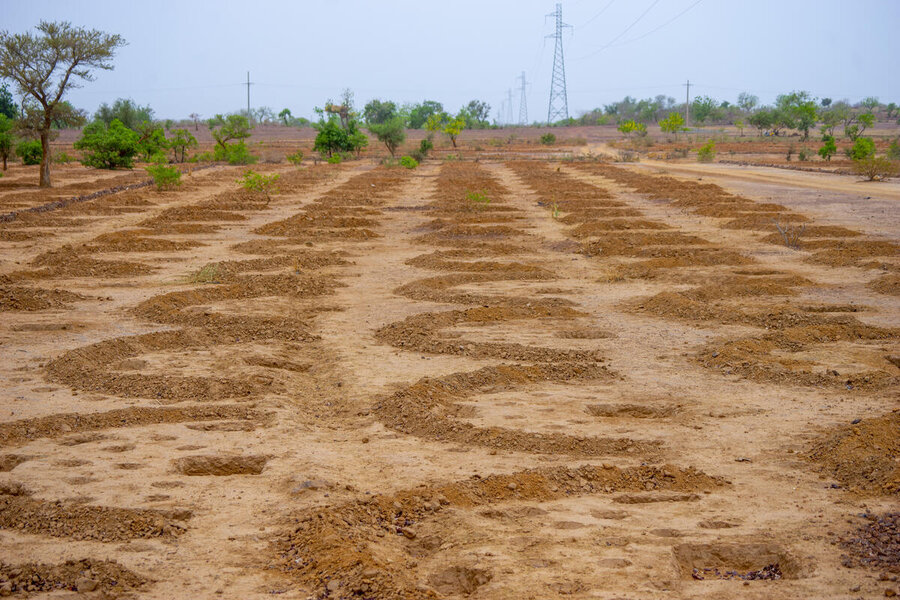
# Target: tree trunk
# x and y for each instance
(45, 157)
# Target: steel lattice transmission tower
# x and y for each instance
(523, 105)
(558, 108)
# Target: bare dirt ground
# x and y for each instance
(495, 379)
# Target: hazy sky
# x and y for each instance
(191, 55)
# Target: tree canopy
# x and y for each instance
(44, 66)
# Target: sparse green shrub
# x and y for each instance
(632, 127)
(548, 139)
(164, 176)
(29, 151)
(707, 152)
(829, 148)
(417, 155)
(875, 168)
(451, 157)
(478, 197)
(257, 182)
(235, 154)
(335, 159)
(210, 273)
(296, 158)
(409, 162)
(862, 148)
(790, 153)
(61, 158)
(426, 145)
(628, 156)
(803, 155)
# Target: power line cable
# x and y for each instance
(652, 31)
(618, 37)
(594, 18)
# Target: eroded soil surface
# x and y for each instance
(495, 379)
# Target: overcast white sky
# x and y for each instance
(191, 55)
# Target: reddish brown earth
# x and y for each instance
(605, 381)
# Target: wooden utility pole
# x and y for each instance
(248, 95)
(687, 104)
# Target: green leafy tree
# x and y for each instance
(673, 123)
(762, 120)
(127, 111)
(331, 137)
(7, 139)
(181, 140)
(862, 148)
(453, 126)
(739, 123)
(378, 112)
(108, 147)
(232, 127)
(747, 101)
(890, 108)
(391, 133)
(857, 124)
(829, 148)
(799, 108)
(477, 114)
(152, 139)
(825, 102)
(830, 119)
(357, 139)
(418, 114)
(46, 65)
(285, 116)
(8, 106)
(871, 103)
(29, 151)
(703, 108)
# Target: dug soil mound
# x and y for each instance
(864, 457)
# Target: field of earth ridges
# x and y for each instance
(498, 379)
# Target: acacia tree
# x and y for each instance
(391, 133)
(46, 65)
(672, 124)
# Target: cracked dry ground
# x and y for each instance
(599, 383)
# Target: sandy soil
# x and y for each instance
(496, 379)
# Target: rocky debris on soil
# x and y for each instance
(875, 545)
(78, 521)
(82, 576)
(769, 572)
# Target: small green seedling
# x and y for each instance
(257, 182)
(296, 158)
(478, 197)
(555, 212)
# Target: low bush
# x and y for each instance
(707, 152)
(548, 139)
(296, 158)
(61, 158)
(164, 176)
(409, 162)
(108, 147)
(29, 151)
(257, 182)
(235, 154)
(862, 148)
(876, 168)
